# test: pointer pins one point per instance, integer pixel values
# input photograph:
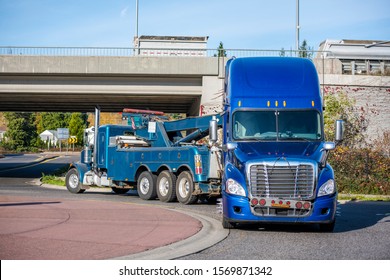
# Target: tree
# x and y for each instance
(51, 120)
(77, 124)
(339, 106)
(305, 50)
(21, 133)
(221, 50)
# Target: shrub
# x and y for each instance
(361, 170)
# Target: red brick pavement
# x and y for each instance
(33, 228)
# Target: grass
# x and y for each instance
(363, 197)
(57, 178)
(53, 180)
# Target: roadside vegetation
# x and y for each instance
(23, 129)
(360, 167)
(56, 178)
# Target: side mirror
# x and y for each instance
(213, 130)
(229, 146)
(328, 146)
(339, 126)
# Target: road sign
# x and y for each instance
(62, 133)
(72, 140)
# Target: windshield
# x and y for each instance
(277, 125)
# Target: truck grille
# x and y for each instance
(282, 180)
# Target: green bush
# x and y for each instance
(361, 171)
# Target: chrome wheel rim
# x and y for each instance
(184, 188)
(73, 181)
(163, 186)
(144, 185)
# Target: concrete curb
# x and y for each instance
(211, 233)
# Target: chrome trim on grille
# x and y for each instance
(282, 179)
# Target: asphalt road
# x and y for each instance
(362, 229)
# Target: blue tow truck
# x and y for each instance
(159, 158)
(269, 167)
(275, 159)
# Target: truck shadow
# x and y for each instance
(355, 215)
(28, 170)
(350, 216)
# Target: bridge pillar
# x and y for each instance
(212, 95)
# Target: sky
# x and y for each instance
(239, 24)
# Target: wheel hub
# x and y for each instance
(164, 186)
(145, 185)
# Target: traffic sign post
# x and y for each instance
(62, 134)
(72, 140)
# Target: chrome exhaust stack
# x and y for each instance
(95, 139)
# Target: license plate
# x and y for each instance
(278, 205)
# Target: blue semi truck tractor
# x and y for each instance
(275, 153)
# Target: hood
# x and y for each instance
(254, 150)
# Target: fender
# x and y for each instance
(82, 168)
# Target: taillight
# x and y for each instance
(306, 205)
(298, 205)
(198, 164)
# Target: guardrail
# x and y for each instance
(353, 67)
(115, 51)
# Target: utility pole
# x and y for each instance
(136, 19)
(135, 41)
(297, 31)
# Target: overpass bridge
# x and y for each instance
(30, 82)
(77, 79)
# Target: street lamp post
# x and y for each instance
(297, 28)
(136, 18)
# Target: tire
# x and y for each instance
(119, 190)
(166, 186)
(72, 181)
(226, 224)
(327, 227)
(185, 188)
(146, 186)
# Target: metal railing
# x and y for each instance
(115, 51)
(348, 67)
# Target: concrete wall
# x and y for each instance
(134, 65)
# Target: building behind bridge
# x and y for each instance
(359, 57)
(171, 45)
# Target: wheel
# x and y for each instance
(119, 190)
(146, 185)
(328, 227)
(185, 188)
(226, 224)
(166, 186)
(73, 183)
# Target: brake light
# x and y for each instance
(198, 164)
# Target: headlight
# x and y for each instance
(233, 187)
(327, 188)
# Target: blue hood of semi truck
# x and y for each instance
(247, 151)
